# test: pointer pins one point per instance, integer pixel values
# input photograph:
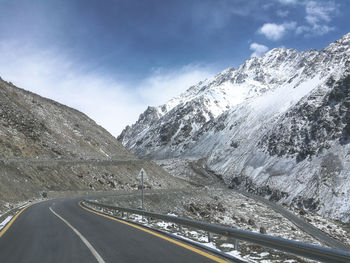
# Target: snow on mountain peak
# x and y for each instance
(279, 68)
(270, 126)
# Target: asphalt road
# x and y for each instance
(62, 231)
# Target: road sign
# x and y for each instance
(142, 174)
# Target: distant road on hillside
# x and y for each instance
(71, 160)
(303, 225)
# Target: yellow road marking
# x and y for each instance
(3, 231)
(198, 251)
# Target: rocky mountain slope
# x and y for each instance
(32, 126)
(46, 146)
(277, 126)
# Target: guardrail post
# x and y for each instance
(209, 237)
(180, 228)
(320, 254)
(236, 244)
(122, 214)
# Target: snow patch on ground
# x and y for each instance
(219, 207)
(4, 223)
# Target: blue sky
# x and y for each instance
(111, 59)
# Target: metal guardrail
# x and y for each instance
(322, 254)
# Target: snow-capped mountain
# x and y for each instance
(279, 125)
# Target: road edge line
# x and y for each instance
(171, 240)
(8, 225)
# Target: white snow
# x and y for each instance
(243, 106)
(3, 223)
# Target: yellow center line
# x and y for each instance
(198, 251)
(3, 231)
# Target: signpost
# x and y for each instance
(143, 176)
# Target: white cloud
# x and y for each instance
(317, 12)
(318, 16)
(163, 84)
(317, 30)
(258, 49)
(272, 31)
(288, 2)
(276, 31)
(302, 29)
(109, 102)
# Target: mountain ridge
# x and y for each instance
(23, 111)
(48, 147)
(272, 95)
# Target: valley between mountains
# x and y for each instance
(274, 130)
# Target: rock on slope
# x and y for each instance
(277, 126)
(32, 126)
(46, 146)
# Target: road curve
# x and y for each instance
(61, 231)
